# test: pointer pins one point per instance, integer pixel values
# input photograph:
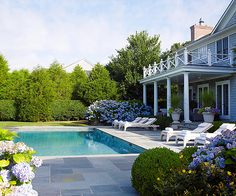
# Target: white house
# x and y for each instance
(206, 63)
(85, 64)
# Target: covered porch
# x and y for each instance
(186, 77)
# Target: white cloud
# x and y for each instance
(38, 32)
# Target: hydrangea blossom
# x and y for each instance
(23, 190)
(36, 161)
(23, 172)
(214, 152)
(109, 110)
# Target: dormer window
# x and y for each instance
(222, 48)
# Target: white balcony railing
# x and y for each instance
(188, 58)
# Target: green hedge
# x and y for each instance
(7, 110)
(68, 110)
(151, 170)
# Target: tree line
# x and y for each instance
(33, 92)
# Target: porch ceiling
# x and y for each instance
(196, 74)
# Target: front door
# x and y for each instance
(223, 98)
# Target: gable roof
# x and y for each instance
(226, 17)
(84, 63)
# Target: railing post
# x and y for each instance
(155, 68)
(231, 58)
(176, 60)
(144, 72)
(185, 56)
(149, 70)
(161, 65)
(209, 57)
(168, 62)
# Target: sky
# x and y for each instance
(38, 32)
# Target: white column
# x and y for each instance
(186, 98)
(155, 98)
(168, 104)
(144, 94)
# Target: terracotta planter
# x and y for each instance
(208, 117)
(175, 117)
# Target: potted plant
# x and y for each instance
(208, 111)
(175, 110)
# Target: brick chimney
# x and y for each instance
(200, 30)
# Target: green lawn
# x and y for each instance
(4, 124)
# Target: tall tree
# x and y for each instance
(34, 101)
(79, 80)
(61, 81)
(173, 48)
(15, 82)
(3, 76)
(126, 67)
(100, 86)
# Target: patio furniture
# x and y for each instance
(187, 135)
(146, 124)
(143, 120)
(203, 138)
(116, 123)
(169, 132)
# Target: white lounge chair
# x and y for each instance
(116, 123)
(143, 120)
(203, 138)
(187, 135)
(137, 120)
(146, 124)
(170, 132)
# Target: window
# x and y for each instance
(222, 48)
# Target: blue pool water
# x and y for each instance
(70, 143)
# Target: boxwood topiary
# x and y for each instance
(151, 169)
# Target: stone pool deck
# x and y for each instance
(85, 176)
(103, 175)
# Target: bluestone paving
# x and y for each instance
(108, 175)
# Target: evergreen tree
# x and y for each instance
(100, 86)
(61, 81)
(34, 101)
(79, 80)
(3, 77)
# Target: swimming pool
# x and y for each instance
(64, 142)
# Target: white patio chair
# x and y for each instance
(187, 135)
(203, 138)
(169, 132)
(145, 124)
(143, 120)
(137, 120)
(116, 123)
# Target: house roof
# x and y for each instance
(84, 63)
(227, 15)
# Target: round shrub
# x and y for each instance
(151, 169)
(186, 155)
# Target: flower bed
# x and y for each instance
(211, 170)
(17, 166)
(107, 111)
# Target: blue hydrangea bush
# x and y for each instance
(106, 111)
(215, 164)
(17, 166)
